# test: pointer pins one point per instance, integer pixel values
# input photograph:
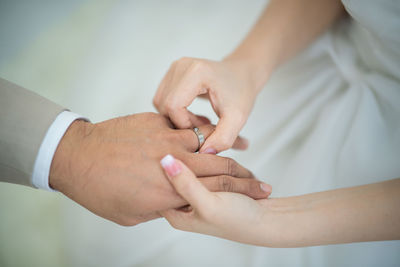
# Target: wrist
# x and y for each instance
(254, 71)
(284, 220)
(66, 156)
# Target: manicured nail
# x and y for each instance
(266, 187)
(170, 165)
(209, 150)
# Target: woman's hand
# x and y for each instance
(284, 29)
(231, 216)
(353, 214)
(229, 86)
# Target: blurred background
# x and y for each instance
(103, 59)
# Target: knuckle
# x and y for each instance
(184, 59)
(176, 62)
(170, 105)
(225, 183)
(231, 167)
(199, 65)
(181, 61)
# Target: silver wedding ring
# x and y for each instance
(200, 137)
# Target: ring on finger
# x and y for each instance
(200, 137)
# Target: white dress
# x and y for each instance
(329, 118)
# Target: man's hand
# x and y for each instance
(112, 168)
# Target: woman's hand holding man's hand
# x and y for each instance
(227, 215)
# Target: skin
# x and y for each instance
(112, 168)
(232, 84)
(356, 214)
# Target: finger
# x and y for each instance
(213, 165)
(180, 117)
(190, 139)
(159, 96)
(195, 120)
(225, 133)
(186, 183)
(247, 186)
(205, 96)
(191, 83)
(198, 120)
(240, 143)
(179, 99)
(179, 219)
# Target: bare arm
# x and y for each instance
(357, 214)
(284, 28)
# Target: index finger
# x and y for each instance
(180, 98)
(225, 134)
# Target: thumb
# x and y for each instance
(224, 136)
(185, 182)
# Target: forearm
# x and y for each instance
(284, 28)
(356, 214)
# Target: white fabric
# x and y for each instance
(41, 169)
(330, 119)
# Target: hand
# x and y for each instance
(228, 84)
(227, 215)
(354, 214)
(112, 168)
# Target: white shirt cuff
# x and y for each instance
(41, 169)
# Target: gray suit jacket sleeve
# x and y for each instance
(24, 120)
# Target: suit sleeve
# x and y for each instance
(24, 120)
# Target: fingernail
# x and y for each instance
(170, 165)
(209, 150)
(266, 187)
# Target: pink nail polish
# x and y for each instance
(266, 187)
(171, 167)
(209, 150)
